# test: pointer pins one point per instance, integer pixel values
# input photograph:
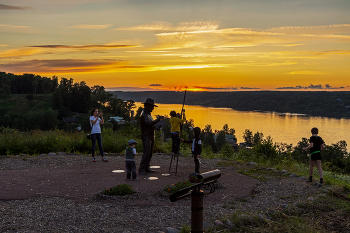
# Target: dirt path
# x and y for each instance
(81, 179)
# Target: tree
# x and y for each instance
(257, 138)
(248, 137)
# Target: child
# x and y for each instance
(130, 165)
(316, 146)
(175, 131)
(196, 148)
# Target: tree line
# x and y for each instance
(30, 102)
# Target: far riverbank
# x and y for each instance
(334, 104)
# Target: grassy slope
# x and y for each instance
(19, 103)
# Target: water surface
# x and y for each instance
(287, 127)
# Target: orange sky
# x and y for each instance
(207, 45)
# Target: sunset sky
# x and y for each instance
(216, 45)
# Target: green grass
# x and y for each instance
(326, 214)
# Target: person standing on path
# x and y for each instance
(147, 135)
(316, 146)
(96, 119)
(130, 165)
(196, 148)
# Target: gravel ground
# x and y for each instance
(50, 213)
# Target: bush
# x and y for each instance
(177, 186)
(227, 151)
(119, 190)
(266, 148)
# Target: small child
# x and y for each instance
(196, 148)
(175, 131)
(130, 165)
(316, 146)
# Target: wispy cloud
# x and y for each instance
(249, 88)
(324, 29)
(326, 86)
(59, 66)
(13, 26)
(21, 52)
(87, 26)
(44, 49)
(82, 66)
(155, 85)
(83, 47)
(306, 72)
(247, 37)
(11, 7)
(180, 27)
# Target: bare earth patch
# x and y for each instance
(59, 193)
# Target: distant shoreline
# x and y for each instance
(311, 103)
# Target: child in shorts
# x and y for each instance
(316, 146)
(130, 165)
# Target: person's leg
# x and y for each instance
(311, 170)
(319, 168)
(133, 169)
(173, 144)
(128, 169)
(148, 170)
(99, 142)
(177, 143)
(93, 141)
(146, 144)
(196, 164)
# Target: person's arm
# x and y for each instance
(149, 123)
(93, 122)
(322, 147)
(199, 150)
(102, 121)
(134, 151)
(186, 141)
(310, 146)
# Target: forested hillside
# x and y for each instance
(30, 102)
(317, 103)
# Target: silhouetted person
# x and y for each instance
(147, 135)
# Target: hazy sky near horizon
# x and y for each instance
(170, 44)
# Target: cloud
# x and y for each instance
(3, 45)
(327, 86)
(83, 47)
(13, 26)
(249, 88)
(304, 30)
(155, 85)
(64, 66)
(12, 53)
(229, 38)
(199, 88)
(44, 49)
(131, 89)
(180, 27)
(306, 72)
(11, 7)
(87, 26)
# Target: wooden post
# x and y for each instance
(197, 211)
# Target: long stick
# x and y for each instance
(182, 110)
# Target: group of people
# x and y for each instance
(147, 136)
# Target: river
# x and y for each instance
(286, 127)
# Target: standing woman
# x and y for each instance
(96, 119)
